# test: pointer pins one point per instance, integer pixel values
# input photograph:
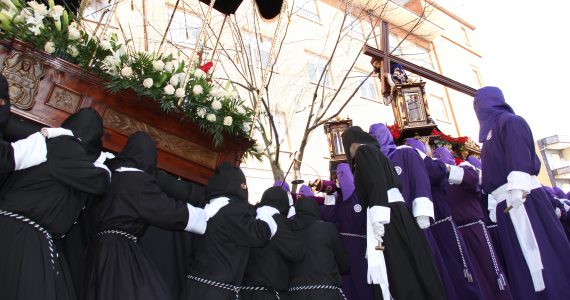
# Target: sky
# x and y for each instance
(526, 52)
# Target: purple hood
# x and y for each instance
(416, 144)
(345, 180)
(382, 134)
(489, 105)
(443, 154)
(474, 161)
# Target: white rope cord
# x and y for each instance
(353, 235)
(259, 289)
(52, 250)
(500, 276)
(221, 285)
(317, 287)
(466, 272)
(118, 232)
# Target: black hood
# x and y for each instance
(139, 152)
(307, 212)
(227, 181)
(4, 104)
(87, 127)
(355, 134)
(276, 197)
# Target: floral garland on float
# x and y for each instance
(175, 84)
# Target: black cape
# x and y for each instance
(118, 268)
(325, 257)
(411, 271)
(51, 194)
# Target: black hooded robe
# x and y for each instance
(51, 195)
(222, 252)
(411, 271)
(325, 257)
(269, 266)
(117, 267)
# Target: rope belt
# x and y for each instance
(353, 235)
(52, 250)
(500, 276)
(118, 232)
(492, 226)
(221, 285)
(317, 287)
(466, 272)
(259, 289)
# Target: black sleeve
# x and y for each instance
(370, 177)
(243, 228)
(286, 242)
(7, 163)
(69, 163)
(340, 254)
(156, 208)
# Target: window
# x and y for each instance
(416, 54)
(184, 29)
(315, 67)
(477, 77)
(437, 108)
(555, 160)
(367, 89)
(258, 51)
(353, 28)
(97, 8)
(307, 9)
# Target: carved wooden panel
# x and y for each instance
(64, 99)
(23, 73)
(168, 142)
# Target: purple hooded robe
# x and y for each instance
(350, 217)
(537, 268)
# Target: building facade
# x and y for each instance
(320, 37)
(555, 153)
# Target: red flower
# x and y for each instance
(458, 161)
(206, 67)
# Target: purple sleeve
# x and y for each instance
(328, 213)
(419, 178)
(518, 144)
(470, 180)
(437, 171)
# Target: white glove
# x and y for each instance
(566, 207)
(265, 214)
(493, 215)
(30, 151)
(423, 221)
(104, 156)
(558, 212)
(215, 205)
(515, 198)
(378, 229)
(55, 132)
(291, 212)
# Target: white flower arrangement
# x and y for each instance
(49, 47)
(106, 45)
(240, 110)
(174, 80)
(201, 112)
(158, 65)
(180, 92)
(246, 128)
(169, 66)
(127, 71)
(73, 33)
(216, 105)
(198, 73)
(228, 120)
(211, 117)
(169, 89)
(148, 82)
(198, 90)
(72, 50)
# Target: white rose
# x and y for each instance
(169, 66)
(49, 47)
(240, 110)
(180, 92)
(36, 30)
(158, 65)
(197, 90)
(56, 12)
(169, 90)
(234, 95)
(72, 51)
(201, 112)
(228, 121)
(246, 128)
(127, 71)
(120, 51)
(211, 117)
(73, 33)
(105, 44)
(147, 83)
(216, 105)
(216, 92)
(199, 73)
(259, 148)
(174, 80)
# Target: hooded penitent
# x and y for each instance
(277, 198)
(489, 105)
(227, 181)
(283, 185)
(474, 161)
(416, 144)
(139, 153)
(382, 134)
(4, 104)
(355, 134)
(87, 127)
(443, 154)
(308, 212)
(345, 180)
(306, 191)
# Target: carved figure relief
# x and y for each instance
(64, 99)
(23, 73)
